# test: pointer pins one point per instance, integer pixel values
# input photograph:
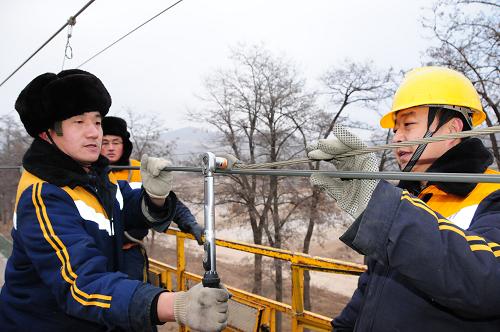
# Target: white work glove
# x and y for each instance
(202, 308)
(352, 196)
(156, 182)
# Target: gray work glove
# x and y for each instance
(202, 309)
(353, 195)
(198, 233)
(231, 160)
(156, 182)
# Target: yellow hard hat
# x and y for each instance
(435, 86)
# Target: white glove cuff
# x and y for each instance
(155, 196)
(180, 308)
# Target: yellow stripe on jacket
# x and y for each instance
(452, 207)
(459, 210)
(67, 272)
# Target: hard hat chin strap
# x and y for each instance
(418, 152)
(433, 111)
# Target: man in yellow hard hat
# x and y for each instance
(432, 248)
(431, 92)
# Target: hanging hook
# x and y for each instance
(68, 50)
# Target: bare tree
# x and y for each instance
(355, 83)
(235, 106)
(14, 143)
(256, 106)
(265, 114)
(468, 38)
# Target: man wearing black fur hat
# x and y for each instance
(69, 222)
(117, 147)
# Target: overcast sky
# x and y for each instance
(160, 68)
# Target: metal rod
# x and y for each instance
(210, 278)
(169, 168)
(437, 177)
(413, 176)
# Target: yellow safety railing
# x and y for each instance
(300, 318)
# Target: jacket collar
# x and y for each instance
(469, 156)
(50, 164)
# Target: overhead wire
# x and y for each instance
(68, 22)
(127, 34)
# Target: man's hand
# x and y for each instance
(353, 195)
(155, 181)
(202, 309)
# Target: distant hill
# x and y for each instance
(191, 141)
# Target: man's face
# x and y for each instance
(81, 139)
(112, 148)
(411, 124)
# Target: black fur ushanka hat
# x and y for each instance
(50, 98)
(113, 125)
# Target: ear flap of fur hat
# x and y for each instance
(50, 98)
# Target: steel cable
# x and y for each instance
(377, 148)
(70, 21)
(263, 168)
(127, 34)
(413, 176)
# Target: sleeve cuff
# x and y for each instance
(159, 218)
(184, 218)
(144, 297)
(350, 234)
(369, 233)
